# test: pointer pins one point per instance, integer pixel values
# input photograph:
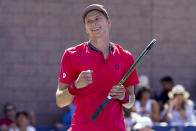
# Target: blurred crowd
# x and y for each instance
(172, 107)
(16, 121)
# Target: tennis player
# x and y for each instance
(90, 71)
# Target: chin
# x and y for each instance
(96, 36)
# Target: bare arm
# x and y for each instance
(182, 113)
(63, 97)
(130, 91)
(155, 112)
(118, 92)
(168, 110)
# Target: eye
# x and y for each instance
(89, 21)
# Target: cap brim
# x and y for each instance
(94, 7)
(171, 94)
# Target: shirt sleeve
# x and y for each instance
(133, 78)
(190, 112)
(66, 75)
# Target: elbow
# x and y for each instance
(60, 105)
(63, 99)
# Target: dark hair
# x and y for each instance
(6, 105)
(140, 91)
(166, 79)
(22, 113)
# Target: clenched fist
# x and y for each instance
(84, 79)
(117, 92)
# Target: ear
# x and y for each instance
(109, 23)
(86, 29)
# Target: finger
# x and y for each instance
(117, 97)
(89, 82)
(118, 87)
(90, 71)
(112, 93)
(118, 90)
(116, 93)
(88, 78)
(88, 75)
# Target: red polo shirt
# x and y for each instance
(106, 73)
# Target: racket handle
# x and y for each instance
(100, 108)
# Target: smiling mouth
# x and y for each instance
(96, 29)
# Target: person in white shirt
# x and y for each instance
(179, 110)
(22, 122)
(145, 105)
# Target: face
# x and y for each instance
(22, 120)
(96, 24)
(167, 85)
(10, 112)
(146, 95)
(179, 98)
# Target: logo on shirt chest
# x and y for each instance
(117, 66)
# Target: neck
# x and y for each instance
(143, 101)
(101, 44)
(23, 128)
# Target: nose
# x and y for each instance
(94, 23)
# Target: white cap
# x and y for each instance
(142, 123)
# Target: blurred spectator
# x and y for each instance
(32, 117)
(143, 124)
(145, 106)
(69, 110)
(167, 84)
(9, 112)
(179, 109)
(130, 118)
(144, 81)
(22, 121)
(68, 115)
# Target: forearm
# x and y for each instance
(182, 113)
(155, 111)
(155, 117)
(167, 113)
(130, 103)
(63, 97)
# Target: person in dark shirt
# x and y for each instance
(167, 85)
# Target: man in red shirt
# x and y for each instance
(91, 71)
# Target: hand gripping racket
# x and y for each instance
(107, 100)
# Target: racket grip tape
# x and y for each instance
(99, 109)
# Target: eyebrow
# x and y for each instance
(96, 15)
